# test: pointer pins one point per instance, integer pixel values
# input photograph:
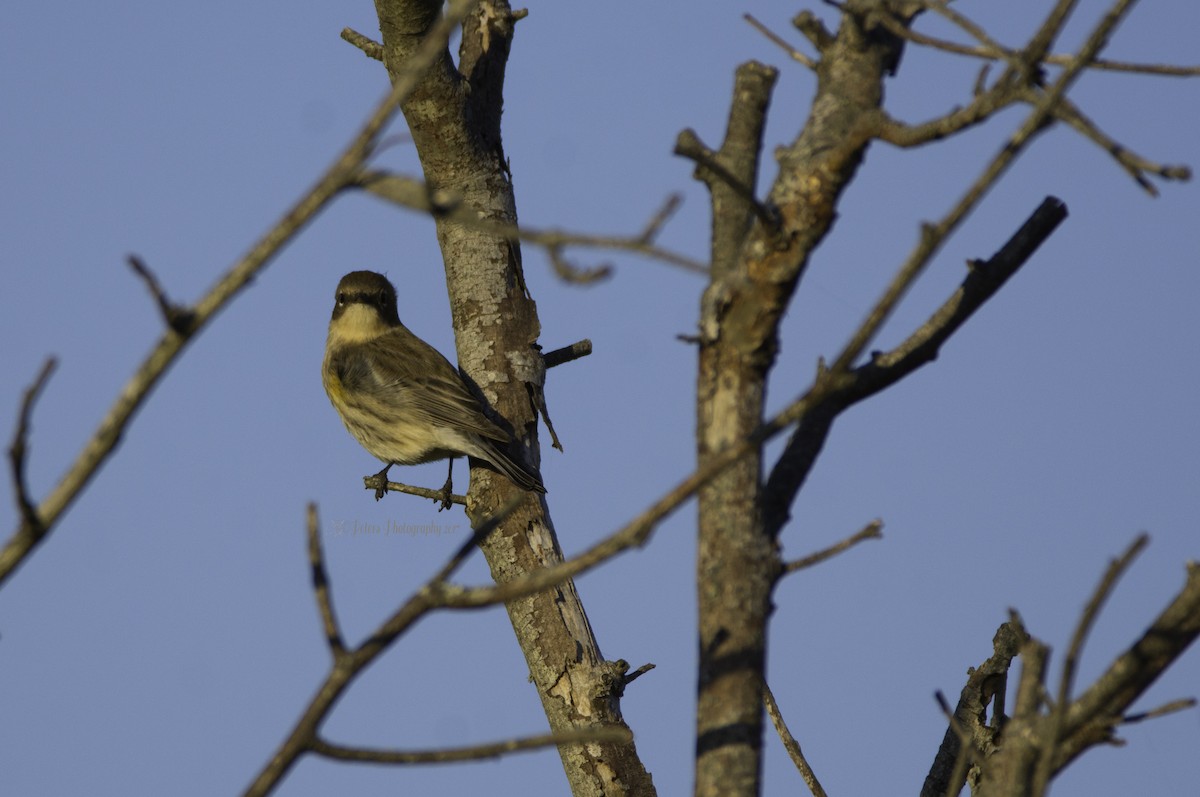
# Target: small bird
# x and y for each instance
(399, 397)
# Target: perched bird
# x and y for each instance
(398, 395)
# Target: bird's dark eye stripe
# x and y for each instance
(380, 298)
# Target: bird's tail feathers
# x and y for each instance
(519, 474)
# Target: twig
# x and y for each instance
(31, 524)
(412, 193)
(776, 39)
(576, 275)
(1116, 568)
(476, 752)
(871, 531)
(178, 317)
(639, 530)
(321, 588)
(1132, 672)
(656, 223)
(973, 30)
(966, 737)
(349, 664)
(965, 743)
(635, 533)
(1166, 70)
(372, 483)
(1041, 42)
(338, 176)
(638, 673)
(933, 235)
(688, 145)
(371, 48)
(1134, 165)
(813, 29)
(568, 354)
(1004, 54)
(790, 744)
(982, 282)
(1183, 704)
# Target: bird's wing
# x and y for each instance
(409, 374)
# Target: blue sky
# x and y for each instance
(164, 639)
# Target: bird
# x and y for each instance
(399, 397)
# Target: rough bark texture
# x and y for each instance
(454, 118)
(739, 320)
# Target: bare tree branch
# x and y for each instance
(176, 316)
(776, 39)
(412, 193)
(1012, 755)
(371, 48)
(1058, 717)
(1134, 165)
(1183, 704)
(19, 448)
(1038, 47)
(371, 484)
(456, 129)
(567, 353)
(1092, 716)
(969, 737)
(348, 664)
(321, 587)
(477, 752)
(983, 280)
(1005, 92)
(933, 235)
(790, 744)
(1004, 54)
(962, 753)
(108, 434)
(871, 531)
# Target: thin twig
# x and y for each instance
(372, 483)
(972, 29)
(567, 354)
(1182, 704)
(933, 235)
(351, 663)
(1042, 40)
(478, 752)
(659, 220)
(31, 523)
(1134, 165)
(871, 531)
(967, 736)
(1116, 568)
(338, 176)
(638, 673)
(688, 145)
(778, 40)
(1130, 674)
(321, 587)
(371, 48)
(1003, 54)
(573, 274)
(962, 757)
(791, 744)
(176, 316)
(413, 194)
(981, 283)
